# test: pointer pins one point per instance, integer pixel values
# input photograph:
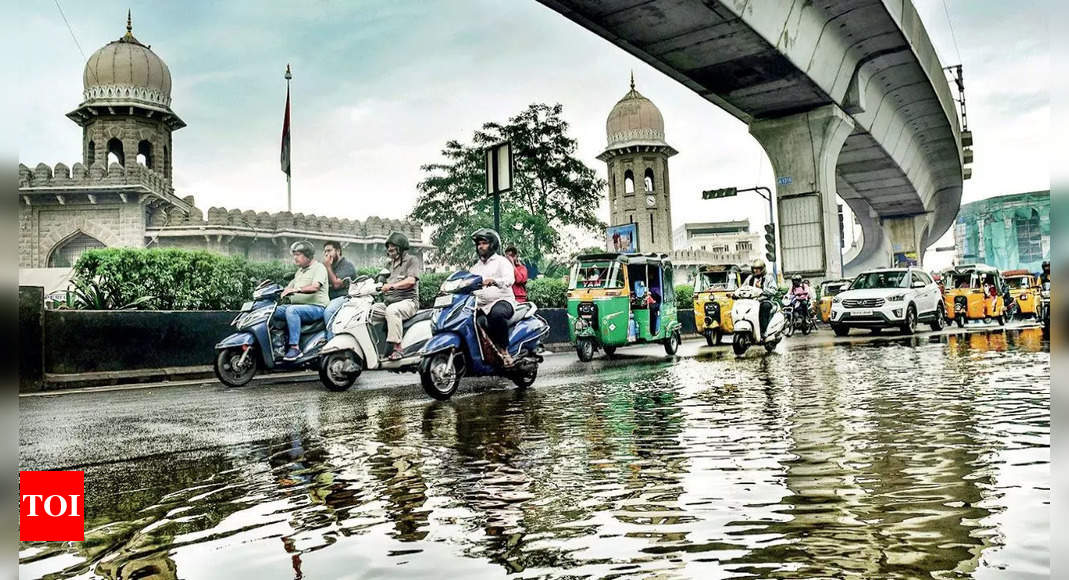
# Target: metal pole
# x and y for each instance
(497, 213)
(289, 193)
(289, 174)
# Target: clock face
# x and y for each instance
(650, 201)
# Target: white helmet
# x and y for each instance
(758, 263)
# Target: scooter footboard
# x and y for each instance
(526, 334)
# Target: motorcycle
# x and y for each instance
(788, 315)
(360, 345)
(258, 342)
(746, 319)
(456, 348)
(799, 316)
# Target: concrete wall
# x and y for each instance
(31, 337)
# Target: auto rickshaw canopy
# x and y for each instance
(718, 277)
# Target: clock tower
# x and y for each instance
(637, 158)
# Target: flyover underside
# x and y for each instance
(766, 60)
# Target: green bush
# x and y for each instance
(684, 296)
(548, 292)
(175, 279)
(429, 283)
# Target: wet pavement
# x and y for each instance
(866, 457)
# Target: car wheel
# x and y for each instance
(940, 319)
(840, 330)
(909, 326)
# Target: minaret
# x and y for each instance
(637, 159)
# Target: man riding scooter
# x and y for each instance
(496, 302)
(400, 293)
(764, 281)
(308, 296)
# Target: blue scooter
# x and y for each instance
(259, 343)
(455, 349)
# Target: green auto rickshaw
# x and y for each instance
(620, 299)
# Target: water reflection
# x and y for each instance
(899, 460)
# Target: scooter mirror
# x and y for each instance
(382, 276)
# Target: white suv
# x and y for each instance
(888, 297)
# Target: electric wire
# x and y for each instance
(953, 37)
(76, 43)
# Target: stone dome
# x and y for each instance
(635, 120)
(125, 70)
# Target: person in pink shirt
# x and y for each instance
(519, 286)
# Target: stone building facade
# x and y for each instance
(120, 194)
(637, 161)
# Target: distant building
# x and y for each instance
(1007, 232)
(120, 194)
(729, 242)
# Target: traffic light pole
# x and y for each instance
(767, 194)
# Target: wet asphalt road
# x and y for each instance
(865, 456)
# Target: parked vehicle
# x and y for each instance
(713, 288)
(359, 345)
(456, 348)
(888, 298)
(974, 292)
(746, 318)
(620, 299)
(260, 342)
(1024, 292)
(828, 290)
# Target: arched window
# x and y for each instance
(115, 153)
(629, 182)
(91, 157)
(649, 180)
(67, 253)
(1029, 236)
(166, 163)
(144, 153)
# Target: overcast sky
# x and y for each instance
(379, 87)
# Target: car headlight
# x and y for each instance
(836, 300)
(896, 298)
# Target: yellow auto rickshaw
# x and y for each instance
(974, 292)
(828, 290)
(1024, 289)
(713, 288)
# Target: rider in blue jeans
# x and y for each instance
(307, 293)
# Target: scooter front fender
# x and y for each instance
(442, 341)
(342, 342)
(236, 339)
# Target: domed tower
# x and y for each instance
(637, 158)
(126, 111)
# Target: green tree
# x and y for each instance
(551, 188)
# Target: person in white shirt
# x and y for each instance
(495, 301)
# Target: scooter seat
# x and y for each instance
(521, 311)
(314, 326)
(418, 317)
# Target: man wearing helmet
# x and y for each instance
(307, 293)
(763, 280)
(1044, 276)
(495, 301)
(400, 292)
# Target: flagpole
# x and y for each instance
(289, 174)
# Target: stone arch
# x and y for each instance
(74, 227)
(144, 153)
(647, 180)
(629, 182)
(115, 147)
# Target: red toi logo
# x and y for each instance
(51, 506)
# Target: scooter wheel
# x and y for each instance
(228, 370)
(740, 343)
(525, 379)
(331, 374)
(440, 379)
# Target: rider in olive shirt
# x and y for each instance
(400, 293)
(307, 293)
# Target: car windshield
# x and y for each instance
(870, 280)
(599, 274)
(1019, 282)
(715, 281)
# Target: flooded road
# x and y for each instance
(924, 457)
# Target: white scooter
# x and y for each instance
(358, 344)
(746, 318)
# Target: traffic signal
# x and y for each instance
(718, 193)
(770, 242)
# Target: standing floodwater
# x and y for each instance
(891, 459)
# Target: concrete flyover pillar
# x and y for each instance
(904, 234)
(804, 149)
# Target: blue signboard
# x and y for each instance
(622, 238)
(785, 180)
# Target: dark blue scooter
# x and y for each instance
(259, 343)
(455, 351)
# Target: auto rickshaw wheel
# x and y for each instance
(584, 349)
(671, 344)
(960, 319)
(1001, 319)
(610, 351)
(712, 337)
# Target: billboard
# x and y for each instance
(622, 238)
